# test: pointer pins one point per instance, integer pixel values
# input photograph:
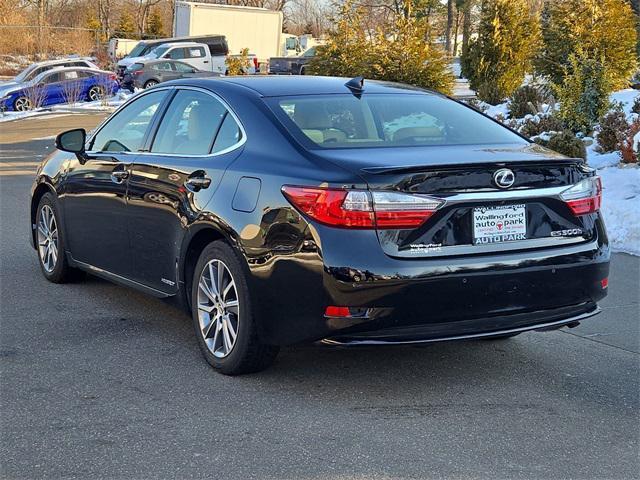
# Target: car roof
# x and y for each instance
(63, 60)
(181, 44)
(67, 69)
(291, 85)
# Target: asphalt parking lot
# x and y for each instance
(98, 381)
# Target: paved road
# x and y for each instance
(98, 381)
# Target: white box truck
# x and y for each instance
(258, 29)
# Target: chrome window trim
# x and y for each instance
(235, 146)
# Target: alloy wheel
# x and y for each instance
(47, 238)
(151, 83)
(95, 93)
(22, 104)
(218, 308)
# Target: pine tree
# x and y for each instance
(126, 28)
(403, 52)
(497, 61)
(603, 29)
(155, 26)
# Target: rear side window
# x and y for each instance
(386, 120)
(190, 125)
(196, 52)
(162, 66)
(228, 136)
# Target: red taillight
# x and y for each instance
(604, 283)
(136, 72)
(113, 76)
(362, 209)
(333, 311)
(584, 197)
(255, 63)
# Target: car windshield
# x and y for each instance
(137, 50)
(25, 74)
(385, 120)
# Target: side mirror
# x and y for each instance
(73, 141)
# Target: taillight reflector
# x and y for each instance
(604, 283)
(361, 208)
(333, 311)
(584, 197)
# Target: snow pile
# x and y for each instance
(620, 202)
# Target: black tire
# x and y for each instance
(248, 354)
(303, 70)
(150, 83)
(61, 271)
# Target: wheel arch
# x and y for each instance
(38, 193)
(199, 236)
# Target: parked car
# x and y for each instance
(216, 44)
(286, 210)
(291, 65)
(149, 74)
(35, 69)
(57, 85)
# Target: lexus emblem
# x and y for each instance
(504, 178)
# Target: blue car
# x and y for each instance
(60, 85)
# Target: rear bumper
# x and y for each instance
(417, 300)
(469, 329)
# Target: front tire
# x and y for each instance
(22, 104)
(50, 242)
(223, 318)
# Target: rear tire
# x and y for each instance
(50, 243)
(150, 83)
(222, 313)
(95, 93)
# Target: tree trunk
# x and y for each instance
(447, 40)
(466, 25)
(455, 34)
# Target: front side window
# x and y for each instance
(190, 125)
(385, 120)
(177, 54)
(126, 130)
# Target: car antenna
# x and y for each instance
(356, 85)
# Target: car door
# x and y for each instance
(50, 89)
(165, 71)
(194, 143)
(94, 193)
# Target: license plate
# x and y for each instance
(499, 224)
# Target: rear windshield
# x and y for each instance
(385, 120)
(138, 50)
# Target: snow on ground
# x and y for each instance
(106, 105)
(621, 198)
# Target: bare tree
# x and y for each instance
(72, 91)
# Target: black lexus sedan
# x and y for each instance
(296, 209)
